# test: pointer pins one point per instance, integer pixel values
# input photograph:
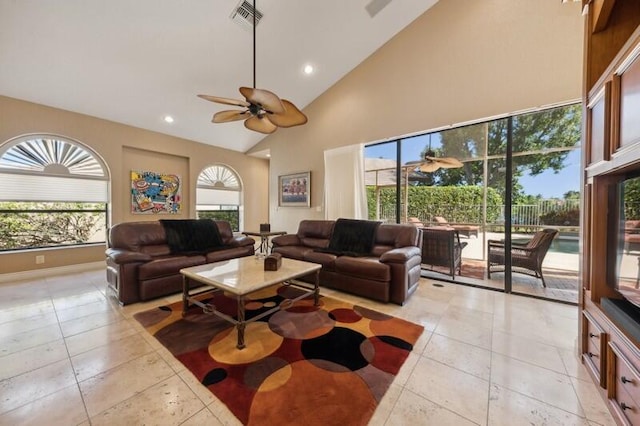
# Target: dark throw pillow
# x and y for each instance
(191, 235)
(353, 237)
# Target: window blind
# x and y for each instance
(206, 196)
(24, 187)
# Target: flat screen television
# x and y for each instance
(626, 214)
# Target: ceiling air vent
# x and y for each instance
(243, 15)
(375, 6)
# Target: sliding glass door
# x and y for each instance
(497, 180)
(546, 196)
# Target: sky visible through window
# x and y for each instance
(554, 185)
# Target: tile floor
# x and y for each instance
(562, 285)
(70, 355)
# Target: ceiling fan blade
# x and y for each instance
(291, 117)
(428, 167)
(225, 101)
(265, 99)
(230, 115)
(260, 124)
(449, 162)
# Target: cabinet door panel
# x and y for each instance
(623, 389)
(630, 104)
(595, 340)
(599, 115)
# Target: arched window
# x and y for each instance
(219, 195)
(53, 192)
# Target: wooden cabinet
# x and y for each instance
(613, 360)
(611, 149)
(623, 391)
(595, 344)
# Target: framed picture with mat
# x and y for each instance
(294, 190)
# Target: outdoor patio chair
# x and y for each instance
(442, 247)
(415, 222)
(466, 230)
(631, 235)
(526, 258)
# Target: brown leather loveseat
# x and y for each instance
(390, 272)
(141, 264)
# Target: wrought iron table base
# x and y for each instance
(241, 322)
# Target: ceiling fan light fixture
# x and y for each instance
(264, 111)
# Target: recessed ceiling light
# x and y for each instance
(268, 155)
(168, 119)
(308, 69)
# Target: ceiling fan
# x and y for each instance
(430, 163)
(263, 111)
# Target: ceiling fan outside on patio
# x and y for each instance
(430, 163)
(263, 110)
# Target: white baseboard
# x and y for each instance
(48, 272)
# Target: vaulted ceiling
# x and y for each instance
(135, 62)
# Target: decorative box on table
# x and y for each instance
(273, 262)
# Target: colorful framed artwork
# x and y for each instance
(294, 190)
(155, 193)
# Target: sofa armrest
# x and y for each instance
(241, 241)
(400, 255)
(286, 240)
(126, 256)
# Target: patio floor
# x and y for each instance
(560, 271)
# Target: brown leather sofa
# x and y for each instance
(390, 273)
(140, 265)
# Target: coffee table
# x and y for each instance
(241, 277)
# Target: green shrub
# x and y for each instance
(231, 216)
(457, 204)
(38, 224)
(561, 218)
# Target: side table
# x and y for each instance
(265, 247)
